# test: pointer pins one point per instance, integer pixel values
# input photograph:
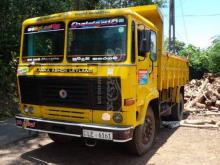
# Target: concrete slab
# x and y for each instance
(9, 133)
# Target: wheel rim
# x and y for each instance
(147, 130)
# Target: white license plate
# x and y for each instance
(97, 134)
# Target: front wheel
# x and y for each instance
(144, 135)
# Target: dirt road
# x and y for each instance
(180, 146)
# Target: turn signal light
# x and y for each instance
(128, 102)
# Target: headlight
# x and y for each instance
(117, 117)
(29, 109)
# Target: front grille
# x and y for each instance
(65, 113)
(100, 93)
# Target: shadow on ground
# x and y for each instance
(9, 133)
(103, 153)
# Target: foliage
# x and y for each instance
(179, 45)
(8, 100)
(214, 55)
(201, 61)
(198, 60)
(13, 12)
(103, 4)
(122, 3)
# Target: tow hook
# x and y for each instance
(90, 142)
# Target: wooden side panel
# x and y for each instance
(174, 71)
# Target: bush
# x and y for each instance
(8, 91)
(198, 60)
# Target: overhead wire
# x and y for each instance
(202, 15)
(199, 15)
(184, 21)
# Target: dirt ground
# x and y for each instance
(173, 146)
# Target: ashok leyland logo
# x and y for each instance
(63, 93)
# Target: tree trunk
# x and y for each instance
(200, 96)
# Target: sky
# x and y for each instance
(197, 21)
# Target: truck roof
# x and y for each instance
(150, 12)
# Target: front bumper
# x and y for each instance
(120, 133)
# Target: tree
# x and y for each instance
(214, 55)
(198, 60)
(179, 45)
(128, 3)
(13, 12)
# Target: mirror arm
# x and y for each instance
(152, 68)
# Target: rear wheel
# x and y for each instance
(144, 135)
(177, 110)
(60, 138)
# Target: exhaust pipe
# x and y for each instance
(90, 142)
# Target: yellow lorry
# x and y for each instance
(99, 74)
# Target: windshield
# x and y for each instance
(44, 43)
(100, 40)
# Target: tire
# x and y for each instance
(177, 110)
(60, 138)
(144, 135)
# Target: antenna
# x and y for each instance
(172, 27)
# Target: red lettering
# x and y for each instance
(56, 26)
(31, 125)
(18, 122)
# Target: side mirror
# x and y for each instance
(144, 42)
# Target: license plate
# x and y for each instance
(97, 134)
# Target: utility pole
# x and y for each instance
(172, 27)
